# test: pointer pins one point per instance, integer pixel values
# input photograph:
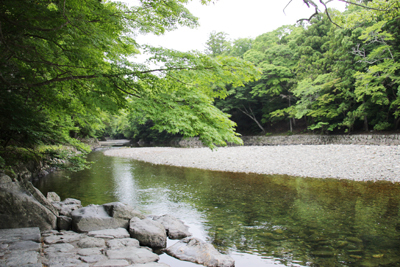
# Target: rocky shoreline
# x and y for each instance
(45, 231)
(353, 162)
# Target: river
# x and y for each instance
(260, 220)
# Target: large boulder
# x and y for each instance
(94, 217)
(175, 228)
(22, 205)
(197, 251)
(98, 217)
(120, 210)
(149, 233)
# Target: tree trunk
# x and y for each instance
(250, 114)
(366, 123)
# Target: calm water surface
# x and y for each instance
(259, 220)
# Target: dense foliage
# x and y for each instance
(334, 72)
(69, 68)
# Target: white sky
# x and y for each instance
(237, 18)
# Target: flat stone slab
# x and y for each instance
(25, 245)
(62, 237)
(24, 258)
(122, 243)
(112, 263)
(110, 233)
(91, 242)
(89, 251)
(93, 258)
(152, 264)
(32, 233)
(133, 255)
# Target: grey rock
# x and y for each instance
(67, 206)
(32, 234)
(91, 242)
(64, 223)
(89, 251)
(148, 232)
(64, 247)
(94, 217)
(93, 258)
(62, 259)
(36, 194)
(121, 243)
(133, 255)
(53, 197)
(25, 245)
(151, 264)
(110, 233)
(62, 237)
(120, 210)
(21, 206)
(197, 251)
(23, 258)
(175, 228)
(112, 263)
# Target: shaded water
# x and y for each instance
(259, 220)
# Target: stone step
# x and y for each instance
(20, 247)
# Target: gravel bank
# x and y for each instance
(354, 162)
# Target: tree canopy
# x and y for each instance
(332, 72)
(64, 63)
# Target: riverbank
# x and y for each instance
(353, 162)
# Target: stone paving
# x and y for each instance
(102, 248)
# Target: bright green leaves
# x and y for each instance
(68, 63)
(274, 79)
(185, 110)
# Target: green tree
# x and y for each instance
(65, 62)
(217, 44)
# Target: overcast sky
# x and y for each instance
(237, 18)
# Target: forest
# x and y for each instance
(335, 73)
(69, 70)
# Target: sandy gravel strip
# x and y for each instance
(354, 162)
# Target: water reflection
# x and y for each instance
(260, 220)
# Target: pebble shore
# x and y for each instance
(353, 162)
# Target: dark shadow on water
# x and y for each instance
(260, 220)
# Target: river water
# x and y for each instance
(260, 220)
